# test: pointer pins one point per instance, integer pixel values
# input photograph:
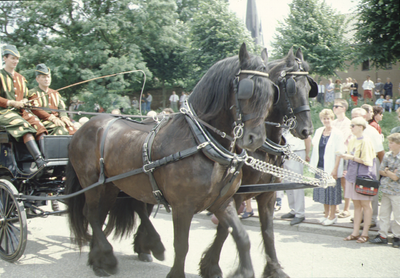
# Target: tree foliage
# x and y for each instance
(173, 41)
(378, 32)
(216, 33)
(319, 31)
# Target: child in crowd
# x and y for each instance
(390, 187)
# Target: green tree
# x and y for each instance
(319, 31)
(378, 32)
(80, 40)
(216, 33)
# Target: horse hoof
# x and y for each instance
(159, 256)
(145, 257)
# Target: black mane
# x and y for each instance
(213, 92)
(287, 63)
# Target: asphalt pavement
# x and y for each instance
(314, 211)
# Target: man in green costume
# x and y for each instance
(16, 120)
(56, 123)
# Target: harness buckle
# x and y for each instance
(202, 145)
(147, 170)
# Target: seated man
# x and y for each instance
(397, 104)
(18, 122)
(387, 103)
(56, 123)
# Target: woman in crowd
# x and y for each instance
(354, 92)
(376, 118)
(328, 145)
(338, 89)
(361, 156)
(329, 93)
(388, 87)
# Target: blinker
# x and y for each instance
(246, 88)
(290, 86)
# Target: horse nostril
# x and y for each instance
(251, 139)
(305, 133)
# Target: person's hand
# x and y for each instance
(67, 121)
(347, 156)
(308, 158)
(334, 174)
(56, 121)
(16, 104)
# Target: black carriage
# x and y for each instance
(20, 175)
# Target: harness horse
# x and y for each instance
(234, 97)
(291, 110)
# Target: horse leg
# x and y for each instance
(101, 257)
(229, 218)
(266, 203)
(182, 219)
(209, 266)
(147, 239)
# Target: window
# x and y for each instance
(387, 66)
(365, 65)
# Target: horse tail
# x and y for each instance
(121, 217)
(77, 221)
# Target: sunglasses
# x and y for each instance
(337, 106)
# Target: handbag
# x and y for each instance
(365, 185)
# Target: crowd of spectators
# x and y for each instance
(380, 94)
(344, 147)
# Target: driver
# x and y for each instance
(14, 94)
(57, 123)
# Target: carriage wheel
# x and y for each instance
(13, 226)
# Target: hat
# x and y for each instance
(395, 130)
(11, 49)
(42, 69)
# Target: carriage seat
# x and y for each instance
(52, 147)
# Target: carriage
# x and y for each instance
(19, 175)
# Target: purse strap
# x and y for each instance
(358, 167)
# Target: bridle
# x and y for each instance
(287, 81)
(244, 89)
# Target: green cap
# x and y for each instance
(11, 49)
(42, 69)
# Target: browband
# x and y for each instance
(255, 72)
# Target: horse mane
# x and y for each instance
(287, 63)
(213, 92)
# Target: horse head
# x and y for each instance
(296, 86)
(235, 96)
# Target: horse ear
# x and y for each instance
(299, 54)
(290, 57)
(264, 55)
(243, 54)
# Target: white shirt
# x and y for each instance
(368, 85)
(334, 146)
(321, 89)
(374, 137)
(173, 98)
(296, 144)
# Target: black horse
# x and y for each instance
(197, 171)
(295, 88)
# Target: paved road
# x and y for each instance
(49, 253)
